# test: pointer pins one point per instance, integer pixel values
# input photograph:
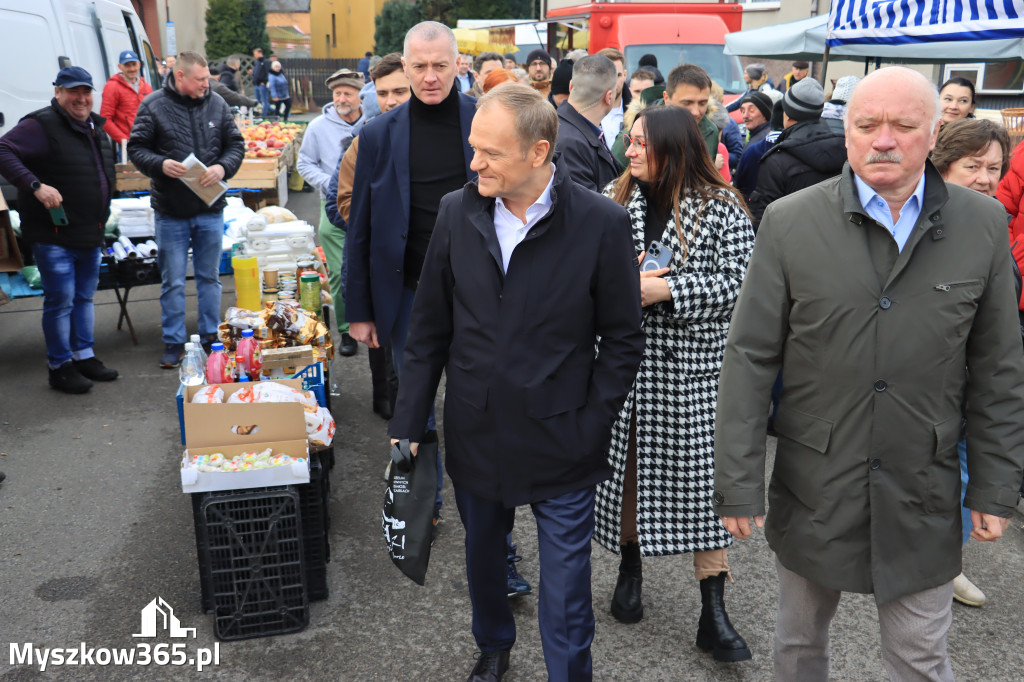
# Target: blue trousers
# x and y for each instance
(399, 334)
(204, 233)
(965, 513)
(263, 97)
(69, 278)
(565, 611)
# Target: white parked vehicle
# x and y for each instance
(39, 37)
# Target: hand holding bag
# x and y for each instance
(407, 518)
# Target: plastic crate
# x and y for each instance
(313, 503)
(252, 561)
(225, 263)
(314, 379)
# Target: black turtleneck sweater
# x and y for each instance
(437, 166)
(654, 221)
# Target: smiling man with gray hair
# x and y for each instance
(581, 150)
(528, 416)
(887, 298)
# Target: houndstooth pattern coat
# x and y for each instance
(676, 387)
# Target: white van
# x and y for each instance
(39, 37)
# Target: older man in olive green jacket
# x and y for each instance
(887, 298)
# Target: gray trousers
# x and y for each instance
(913, 629)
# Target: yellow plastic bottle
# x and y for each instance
(247, 282)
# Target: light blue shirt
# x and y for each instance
(876, 207)
(511, 230)
(463, 82)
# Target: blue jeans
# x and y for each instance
(965, 513)
(69, 279)
(204, 233)
(565, 612)
(398, 337)
(263, 97)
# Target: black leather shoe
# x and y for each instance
(382, 408)
(714, 631)
(348, 346)
(490, 666)
(627, 603)
(67, 379)
(2, 476)
(92, 368)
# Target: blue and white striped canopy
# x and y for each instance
(889, 22)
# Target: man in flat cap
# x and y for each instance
(321, 149)
(799, 72)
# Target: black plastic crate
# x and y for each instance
(314, 529)
(252, 559)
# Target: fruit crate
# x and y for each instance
(252, 563)
(258, 173)
(127, 178)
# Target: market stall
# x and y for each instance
(258, 441)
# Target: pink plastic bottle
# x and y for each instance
(220, 367)
(248, 356)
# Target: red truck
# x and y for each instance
(675, 33)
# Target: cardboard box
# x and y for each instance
(10, 255)
(211, 429)
(281, 362)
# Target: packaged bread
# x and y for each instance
(209, 394)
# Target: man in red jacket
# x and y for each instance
(122, 96)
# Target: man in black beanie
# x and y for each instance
(807, 152)
(756, 109)
(650, 62)
(560, 80)
(538, 66)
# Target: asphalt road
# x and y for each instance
(93, 526)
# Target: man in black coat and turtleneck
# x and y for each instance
(409, 158)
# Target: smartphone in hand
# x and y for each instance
(657, 257)
(58, 216)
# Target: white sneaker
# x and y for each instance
(966, 592)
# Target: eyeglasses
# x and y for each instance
(630, 141)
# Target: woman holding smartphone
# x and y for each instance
(659, 500)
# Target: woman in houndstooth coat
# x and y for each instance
(658, 501)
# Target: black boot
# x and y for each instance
(627, 606)
(714, 631)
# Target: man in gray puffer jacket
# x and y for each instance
(184, 118)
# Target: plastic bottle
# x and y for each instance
(192, 370)
(248, 356)
(199, 346)
(220, 368)
(247, 282)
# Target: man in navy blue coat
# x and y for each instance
(408, 159)
(527, 274)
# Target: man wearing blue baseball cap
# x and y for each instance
(122, 96)
(62, 163)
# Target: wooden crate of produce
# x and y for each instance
(127, 178)
(258, 174)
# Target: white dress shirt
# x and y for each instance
(511, 230)
(612, 124)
